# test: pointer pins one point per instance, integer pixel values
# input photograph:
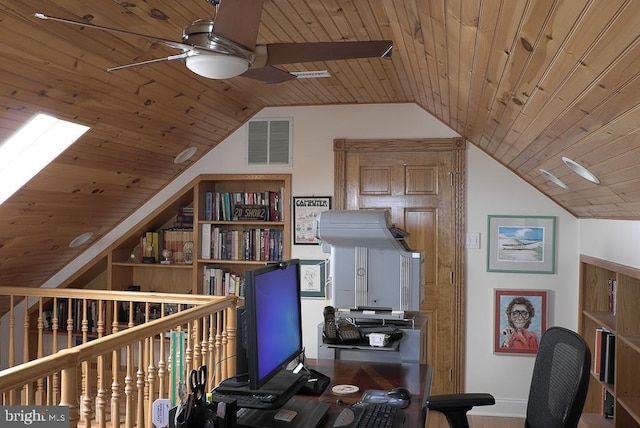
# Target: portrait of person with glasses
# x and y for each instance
(520, 311)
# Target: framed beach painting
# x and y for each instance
(521, 244)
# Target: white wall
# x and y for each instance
(314, 129)
(614, 240)
(492, 189)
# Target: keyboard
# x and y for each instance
(249, 400)
(370, 415)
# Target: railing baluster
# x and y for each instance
(55, 377)
(213, 355)
(162, 364)
(101, 400)
(12, 345)
(128, 379)
(69, 394)
(148, 392)
(140, 385)
(40, 389)
(115, 370)
(87, 410)
(26, 389)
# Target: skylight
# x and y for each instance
(32, 148)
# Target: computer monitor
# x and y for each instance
(272, 320)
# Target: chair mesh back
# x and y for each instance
(560, 380)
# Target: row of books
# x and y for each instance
(152, 245)
(74, 312)
(221, 206)
(604, 355)
(184, 218)
(222, 282)
(77, 313)
(246, 244)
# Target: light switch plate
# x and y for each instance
(473, 240)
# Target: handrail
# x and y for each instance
(121, 362)
(16, 376)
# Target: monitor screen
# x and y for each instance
(273, 320)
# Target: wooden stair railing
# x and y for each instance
(131, 362)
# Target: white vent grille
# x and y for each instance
(311, 74)
(269, 142)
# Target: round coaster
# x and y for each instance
(345, 389)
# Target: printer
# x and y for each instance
(371, 264)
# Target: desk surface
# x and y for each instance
(370, 375)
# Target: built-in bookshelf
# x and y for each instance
(248, 215)
(610, 323)
(259, 215)
(242, 222)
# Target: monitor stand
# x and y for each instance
(284, 383)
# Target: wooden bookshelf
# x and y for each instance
(623, 320)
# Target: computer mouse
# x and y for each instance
(399, 392)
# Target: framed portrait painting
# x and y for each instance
(520, 320)
(521, 244)
(305, 211)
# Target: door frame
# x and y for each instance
(458, 182)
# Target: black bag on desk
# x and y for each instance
(210, 415)
(198, 412)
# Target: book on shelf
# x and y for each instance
(252, 243)
(184, 217)
(610, 358)
(205, 252)
(612, 288)
(221, 282)
(219, 206)
(604, 355)
(597, 351)
(608, 403)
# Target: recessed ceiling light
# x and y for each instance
(185, 155)
(553, 178)
(580, 170)
(81, 239)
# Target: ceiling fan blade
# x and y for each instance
(151, 61)
(290, 53)
(238, 21)
(268, 74)
(169, 43)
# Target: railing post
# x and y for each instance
(69, 394)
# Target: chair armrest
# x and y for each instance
(459, 401)
(456, 406)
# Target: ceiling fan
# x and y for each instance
(228, 48)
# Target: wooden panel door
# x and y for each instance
(419, 182)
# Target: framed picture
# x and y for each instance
(312, 278)
(521, 244)
(305, 211)
(520, 320)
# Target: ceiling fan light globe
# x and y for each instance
(215, 66)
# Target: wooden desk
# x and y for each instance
(370, 375)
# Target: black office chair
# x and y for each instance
(558, 387)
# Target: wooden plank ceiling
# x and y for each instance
(527, 81)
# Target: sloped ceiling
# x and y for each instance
(528, 82)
